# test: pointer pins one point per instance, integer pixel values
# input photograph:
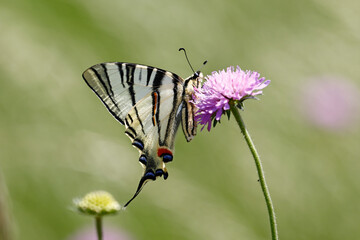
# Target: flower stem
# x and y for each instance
(270, 207)
(98, 222)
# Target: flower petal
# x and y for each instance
(221, 87)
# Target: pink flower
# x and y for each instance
(330, 102)
(222, 87)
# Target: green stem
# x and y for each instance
(98, 222)
(260, 171)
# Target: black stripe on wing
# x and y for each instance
(149, 71)
(174, 119)
(159, 76)
(100, 80)
(130, 69)
(121, 72)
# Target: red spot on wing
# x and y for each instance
(162, 151)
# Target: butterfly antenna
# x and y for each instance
(183, 49)
(203, 65)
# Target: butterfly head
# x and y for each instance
(194, 80)
(198, 80)
(198, 76)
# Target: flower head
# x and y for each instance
(224, 88)
(330, 103)
(97, 203)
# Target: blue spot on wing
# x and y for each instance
(167, 157)
(138, 143)
(143, 159)
(159, 172)
(150, 175)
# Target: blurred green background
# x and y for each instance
(58, 142)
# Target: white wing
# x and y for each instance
(147, 101)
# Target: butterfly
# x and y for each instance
(151, 103)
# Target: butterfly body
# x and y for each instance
(151, 103)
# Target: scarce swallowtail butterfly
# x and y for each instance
(151, 103)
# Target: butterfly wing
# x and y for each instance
(148, 101)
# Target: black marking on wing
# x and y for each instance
(175, 77)
(130, 74)
(121, 72)
(143, 160)
(157, 117)
(107, 91)
(139, 119)
(107, 86)
(154, 79)
(149, 72)
(130, 128)
(158, 80)
(130, 118)
(172, 117)
(138, 143)
(140, 74)
(129, 135)
(101, 79)
(159, 76)
(132, 94)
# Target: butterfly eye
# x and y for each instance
(167, 157)
(143, 160)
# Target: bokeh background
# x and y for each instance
(57, 141)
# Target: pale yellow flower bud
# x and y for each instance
(97, 203)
